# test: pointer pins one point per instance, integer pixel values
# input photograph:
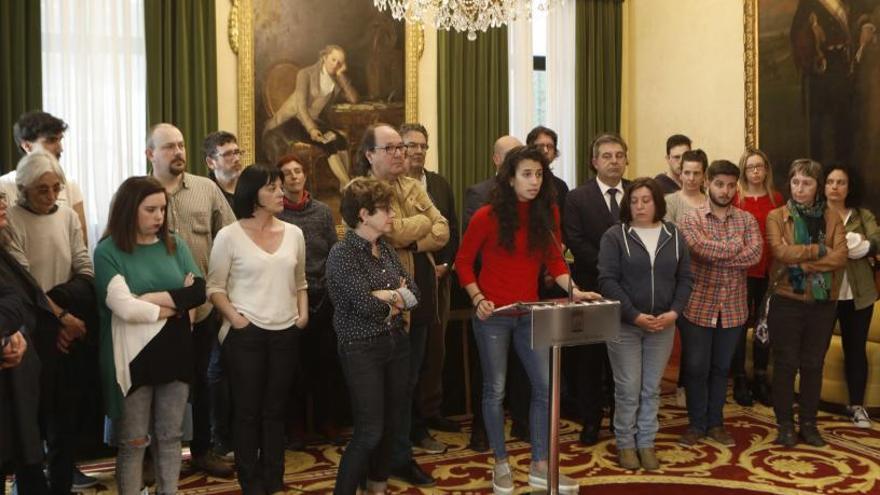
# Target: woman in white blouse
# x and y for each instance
(257, 280)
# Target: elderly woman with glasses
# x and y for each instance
(47, 239)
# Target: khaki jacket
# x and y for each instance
(417, 223)
(780, 237)
(860, 273)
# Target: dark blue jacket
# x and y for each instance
(626, 273)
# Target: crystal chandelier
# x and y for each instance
(464, 15)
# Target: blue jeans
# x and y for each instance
(401, 451)
(376, 373)
(706, 367)
(493, 341)
(638, 358)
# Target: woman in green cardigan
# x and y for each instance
(147, 284)
(855, 306)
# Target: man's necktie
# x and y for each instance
(615, 208)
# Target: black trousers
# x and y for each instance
(204, 335)
(595, 387)
(319, 374)
(755, 290)
(799, 334)
(260, 366)
(854, 326)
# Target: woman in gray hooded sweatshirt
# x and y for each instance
(644, 264)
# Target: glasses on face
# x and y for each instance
(620, 155)
(414, 147)
(231, 153)
(44, 190)
(545, 147)
(391, 148)
(758, 166)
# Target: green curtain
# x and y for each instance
(599, 27)
(472, 105)
(182, 70)
(21, 84)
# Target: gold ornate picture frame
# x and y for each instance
(812, 85)
(241, 40)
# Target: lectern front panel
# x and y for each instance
(574, 323)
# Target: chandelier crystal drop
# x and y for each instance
(464, 15)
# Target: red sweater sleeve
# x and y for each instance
(471, 243)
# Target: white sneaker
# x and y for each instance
(502, 479)
(680, 397)
(859, 416)
(538, 479)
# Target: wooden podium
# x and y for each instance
(561, 323)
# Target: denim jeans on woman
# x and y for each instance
(638, 358)
(377, 373)
(493, 337)
(151, 414)
(706, 366)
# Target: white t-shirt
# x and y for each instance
(261, 286)
(69, 196)
(650, 237)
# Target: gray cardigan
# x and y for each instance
(626, 273)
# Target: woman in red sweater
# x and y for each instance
(514, 235)
(757, 196)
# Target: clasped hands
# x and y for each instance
(657, 323)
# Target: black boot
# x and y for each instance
(741, 393)
(761, 389)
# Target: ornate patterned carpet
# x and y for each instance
(849, 465)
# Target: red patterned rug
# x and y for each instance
(850, 464)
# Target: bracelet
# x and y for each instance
(62, 314)
(394, 296)
(475, 295)
(478, 303)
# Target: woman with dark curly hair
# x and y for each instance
(514, 235)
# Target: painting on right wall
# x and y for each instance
(813, 85)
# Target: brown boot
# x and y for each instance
(649, 459)
(628, 459)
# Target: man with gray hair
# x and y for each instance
(196, 211)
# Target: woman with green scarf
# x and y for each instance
(808, 242)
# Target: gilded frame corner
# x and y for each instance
(750, 41)
(241, 39)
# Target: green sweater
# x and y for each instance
(168, 355)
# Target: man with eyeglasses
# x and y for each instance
(223, 157)
(545, 139)
(418, 230)
(429, 395)
(591, 209)
(196, 211)
(676, 145)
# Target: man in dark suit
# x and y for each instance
(590, 210)
(476, 196)
(429, 392)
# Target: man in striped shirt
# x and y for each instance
(724, 242)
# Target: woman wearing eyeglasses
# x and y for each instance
(514, 235)
(758, 196)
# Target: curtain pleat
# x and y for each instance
(182, 71)
(472, 94)
(598, 74)
(20, 70)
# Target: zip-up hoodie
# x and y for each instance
(626, 273)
